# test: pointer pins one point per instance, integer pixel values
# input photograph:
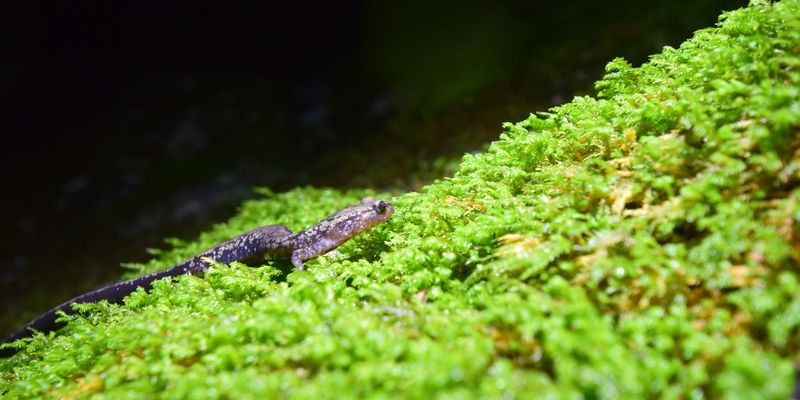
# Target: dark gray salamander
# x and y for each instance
(273, 242)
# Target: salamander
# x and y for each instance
(272, 242)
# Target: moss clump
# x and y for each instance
(641, 243)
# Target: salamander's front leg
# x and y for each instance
(296, 261)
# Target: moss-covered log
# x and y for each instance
(641, 243)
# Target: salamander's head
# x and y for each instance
(352, 220)
(375, 210)
(364, 215)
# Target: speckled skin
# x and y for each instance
(272, 242)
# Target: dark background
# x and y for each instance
(127, 122)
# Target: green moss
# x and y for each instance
(641, 243)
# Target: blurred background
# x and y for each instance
(124, 123)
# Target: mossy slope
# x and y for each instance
(641, 243)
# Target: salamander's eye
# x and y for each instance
(380, 207)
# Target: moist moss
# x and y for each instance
(639, 243)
